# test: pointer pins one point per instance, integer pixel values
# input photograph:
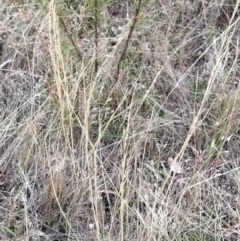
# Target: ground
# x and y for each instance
(119, 120)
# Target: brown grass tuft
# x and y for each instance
(96, 97)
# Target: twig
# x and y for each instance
(96, 37)
(69, 35)
(124, 49)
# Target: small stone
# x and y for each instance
(91, 226)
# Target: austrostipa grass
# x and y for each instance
(119, 120)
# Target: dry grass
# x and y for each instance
(96, 97)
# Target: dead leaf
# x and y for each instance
(174, 165)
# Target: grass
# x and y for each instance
(95, 97)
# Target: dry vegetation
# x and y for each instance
(119, 120)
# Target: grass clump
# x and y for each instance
(119, 121)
